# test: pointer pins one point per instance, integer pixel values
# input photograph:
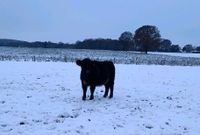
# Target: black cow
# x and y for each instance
(96, 73)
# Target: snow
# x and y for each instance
(119, 57)
(45, 98)
(193, 55)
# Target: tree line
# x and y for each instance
(146, 38)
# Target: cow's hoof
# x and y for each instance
(83, 98)
(110, 96)
(91, 98)
(105, 96)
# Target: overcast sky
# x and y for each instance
(72, 20)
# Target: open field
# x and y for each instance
(45, 98)
(120, 57)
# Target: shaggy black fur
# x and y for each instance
(96, 73)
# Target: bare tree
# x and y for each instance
(126, 38)
(148, 37)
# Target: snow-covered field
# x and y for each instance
(193, 55)
(119, 57)
(45, 98)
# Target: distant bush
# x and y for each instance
(175, 48)
(198, 49)
(188, 48)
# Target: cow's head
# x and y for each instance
(87, 67)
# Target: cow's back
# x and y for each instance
(104, 72)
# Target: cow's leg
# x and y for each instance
(111, 90)
(92, 88)
(84, 91)
(106, 90)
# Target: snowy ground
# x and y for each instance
(45, 98)
(194, 55)
(119, 57)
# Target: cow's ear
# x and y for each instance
(79, 62)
